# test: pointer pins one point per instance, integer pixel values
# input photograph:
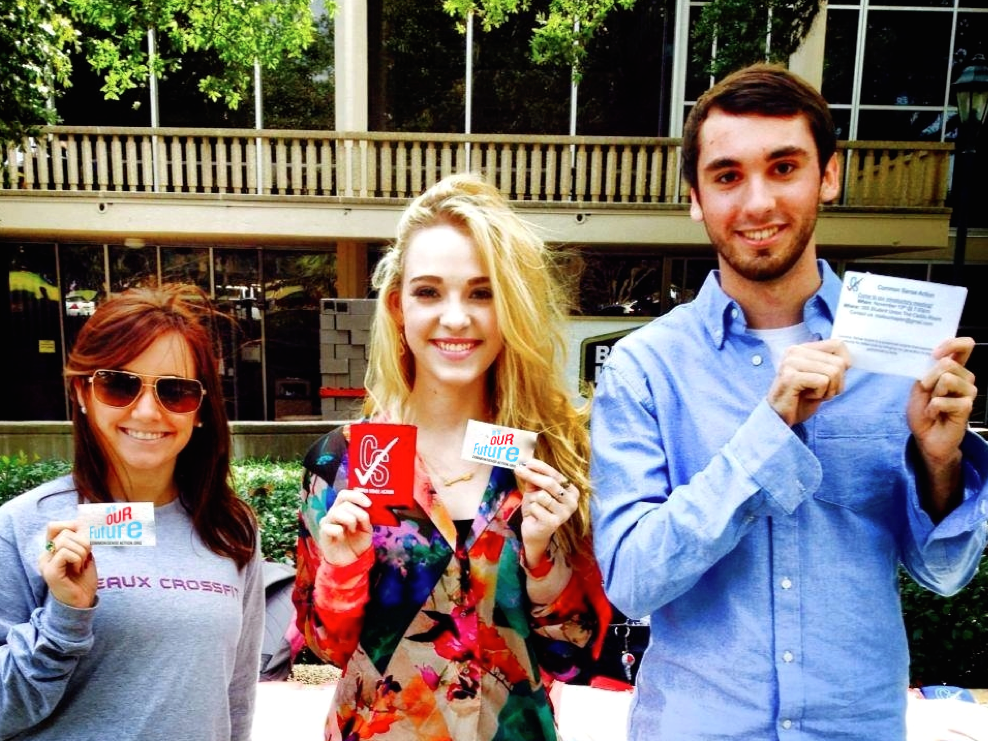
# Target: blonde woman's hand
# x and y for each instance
(345, 531)
(67, 565)
(548, 500)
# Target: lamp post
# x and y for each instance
(971, 89)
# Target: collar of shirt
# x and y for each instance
(723, 315)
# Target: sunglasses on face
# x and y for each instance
(120, 389)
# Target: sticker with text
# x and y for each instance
(118, 523)
(382, 466)
(891, 325)
(498, 445)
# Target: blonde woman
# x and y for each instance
(445, 624)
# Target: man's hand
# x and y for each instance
(938, 412)
(808, 375)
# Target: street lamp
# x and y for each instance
(971, 89)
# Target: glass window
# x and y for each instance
(237, 292)
(905, 125)
(32, 336)
(972, 38)
(186, 265)
(133, 264)
(906, 58)
(294, 284)
(617, 285)
(842, 122)
(688, 276)
(838, 59)
(83, 284)
(974, 320)
(911, 270)
(920, 3)
(697, 79)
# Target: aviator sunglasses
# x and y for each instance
(120, 389)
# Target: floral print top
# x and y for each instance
(439, 642)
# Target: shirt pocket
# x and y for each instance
(861, 458)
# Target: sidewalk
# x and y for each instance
(297, 709)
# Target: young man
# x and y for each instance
(755, 494)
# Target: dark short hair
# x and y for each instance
(764, 90)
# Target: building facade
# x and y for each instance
(272, 223)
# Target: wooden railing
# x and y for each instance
(627, 170)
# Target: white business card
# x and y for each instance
(118, 523)
(502, 446)
(891, 325)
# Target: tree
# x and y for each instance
(37, 35)
(239, 33)
(35, 40)
(745, 32)
(563, 30)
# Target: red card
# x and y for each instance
(382, 466)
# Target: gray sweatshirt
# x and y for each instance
(170, 651)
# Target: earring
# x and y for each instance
(82, 408)
(198, 424)
(402, 345)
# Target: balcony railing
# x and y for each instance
(368, 165)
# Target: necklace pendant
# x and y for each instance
(457, 479)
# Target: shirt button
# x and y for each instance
(787, 724)
(786, 583)
(734, 313)
(787, 656)
(756, 360)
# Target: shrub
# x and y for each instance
(19, 473)
(948, 636)
(270, 487)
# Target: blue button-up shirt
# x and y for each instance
(766, 556)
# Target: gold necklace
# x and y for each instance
(457, 479)
(448, 481)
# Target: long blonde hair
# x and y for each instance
(526, 385)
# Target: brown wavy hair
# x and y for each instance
(526, 386)
(120, 330)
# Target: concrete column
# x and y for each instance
(350, 36)
(351, 269)
(807, 60)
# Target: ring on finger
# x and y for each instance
(50, 546)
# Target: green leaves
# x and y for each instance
(563, 31)
(21, 472)
(743, 32)
(948, 636)
(272, 489)
(38, 36)
(35, 42)
(238, 34)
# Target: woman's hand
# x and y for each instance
(345, 531)
(67, 565)
(548, 501)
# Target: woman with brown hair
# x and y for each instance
(124, 640)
